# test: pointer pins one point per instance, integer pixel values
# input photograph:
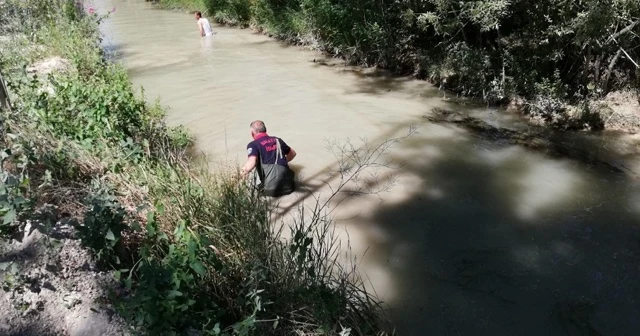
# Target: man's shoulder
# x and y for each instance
(253, 148)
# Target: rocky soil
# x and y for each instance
(51, 286)
(49, 65)
(624, 111)
(617, 111)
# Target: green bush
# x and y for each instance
(102, 106)
(102, 225)
(15, 191)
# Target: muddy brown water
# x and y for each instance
(476, 237)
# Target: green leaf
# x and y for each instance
(110, 235)
(198, 268)
(151, 216)
(160, 209)
(12, 181)
(173, 293)
(151, 229)
(192, 246)
(10, 216)
(19, 200)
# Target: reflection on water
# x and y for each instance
(475, 238)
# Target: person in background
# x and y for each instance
(203, 25)
(271, 156)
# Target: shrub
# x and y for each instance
(103, 106)
(102, 224)
(15, 192)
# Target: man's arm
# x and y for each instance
(200, 28)
(290, 155)
(248, 167)
(252, 159)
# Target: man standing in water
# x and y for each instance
(271, 155)
(203, 25)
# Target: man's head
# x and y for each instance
(198, 15)
(257, 127)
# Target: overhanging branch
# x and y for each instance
(4, 94)
(622, 32)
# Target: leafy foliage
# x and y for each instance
(14, 189)
(103, 106)
(102, 226)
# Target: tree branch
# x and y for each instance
(612, 64)
(626, 54)
(621, 32)
(4, 95)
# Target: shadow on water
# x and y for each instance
(497, 240)
(115, 52)
(375, 81)
(311, 186)
(152, 69)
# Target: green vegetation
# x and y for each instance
(551, 52)
(193, 250)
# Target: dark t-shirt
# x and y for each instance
(264, 147)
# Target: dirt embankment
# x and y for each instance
(52, 286)
(624, 111)
(617, 111)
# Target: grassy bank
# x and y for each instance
(193, 250)
(554, 60)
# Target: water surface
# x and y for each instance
(474, 238)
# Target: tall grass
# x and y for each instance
(194, 250)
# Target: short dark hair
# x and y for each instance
(198, 13)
